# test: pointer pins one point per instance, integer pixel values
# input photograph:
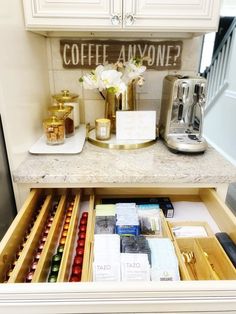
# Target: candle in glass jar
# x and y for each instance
(103, 127)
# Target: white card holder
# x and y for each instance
(136, 125)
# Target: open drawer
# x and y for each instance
(161, 297)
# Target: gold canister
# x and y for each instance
(103, 129)
(69, 99)
(62, 111)
(54, 129)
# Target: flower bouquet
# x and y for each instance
(118, 80)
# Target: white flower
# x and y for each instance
(111, 78)
(114, 77)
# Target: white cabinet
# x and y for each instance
(173, 16)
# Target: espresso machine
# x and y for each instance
(182, 113)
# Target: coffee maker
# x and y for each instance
(182, 113)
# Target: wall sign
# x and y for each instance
(162, 55)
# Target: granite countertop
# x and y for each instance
(151, 165)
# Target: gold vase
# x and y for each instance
(126, 101)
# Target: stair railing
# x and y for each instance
(216, 73)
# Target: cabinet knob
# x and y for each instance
(116, 19)
(129, 19)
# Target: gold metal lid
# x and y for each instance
(60, 110)
(65, 96)
(53, 120)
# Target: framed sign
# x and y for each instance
(159, 55)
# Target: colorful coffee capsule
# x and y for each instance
(56, 259)
(44, 239)
(63, 240)
(82, 228)
(81, 243)
(64, 233)
(34, 265)
(70, 208)
(55, 269)
(66, 226)
(37, 256)
(41, 246)
(83, 221)
(77, 270)
(80, 251)
(85, 215)
(49, 224)
(67, 220)
(52, 278)
(46, 231)
(50, 219)
(78, 260)
(60, 249)
(82, 236)
(74, 278)
(29, 276)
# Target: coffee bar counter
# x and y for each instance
(153, 165)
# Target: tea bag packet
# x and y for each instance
(149, 219)
(106, 265)
(135, 267)
(127, 219)
(164, 260)
(135, 244)
(105, 224)
(105, 210)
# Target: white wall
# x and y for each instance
(220, 120)
(24, 85)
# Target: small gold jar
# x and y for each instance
(54, 130)
(103, 129)
(62, 111)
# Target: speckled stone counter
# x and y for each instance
(151, 165)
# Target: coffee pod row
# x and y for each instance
(56, 259)
(76, 271)
(24, 240)
(42, 241)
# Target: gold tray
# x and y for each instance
(113, 143)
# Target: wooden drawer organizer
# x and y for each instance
(12, 240)
(207, 251)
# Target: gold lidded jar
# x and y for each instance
(70, 99)
(62, 111)
(54, 129)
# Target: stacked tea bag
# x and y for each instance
(127, 219)
(135, 244)
(149, 219)
(106, 265)
(105, 219)
(135, 267)
(164, 260)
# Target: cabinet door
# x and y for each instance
(73, 14)
(171, 15)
